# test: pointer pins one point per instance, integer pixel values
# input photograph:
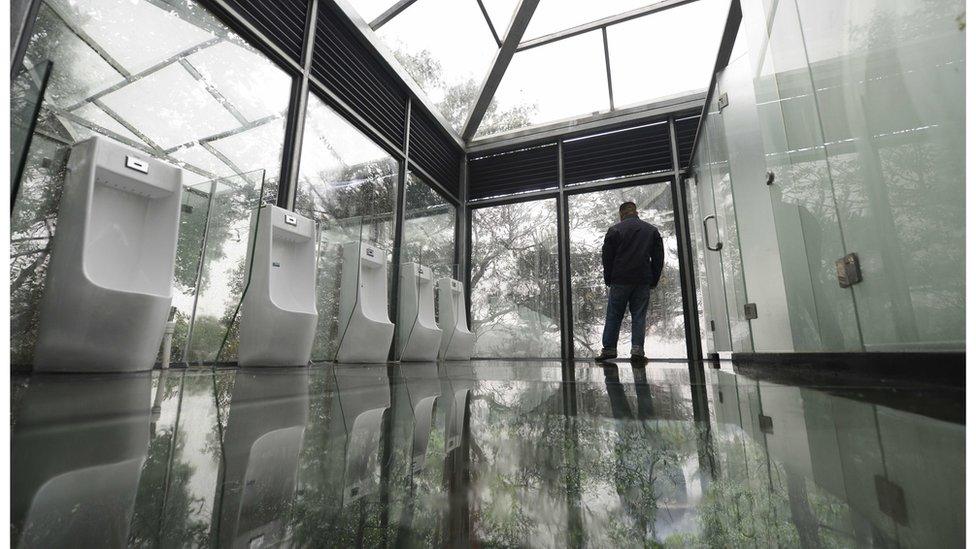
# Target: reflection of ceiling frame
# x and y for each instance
(179, 58)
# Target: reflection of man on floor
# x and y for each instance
(633, 257)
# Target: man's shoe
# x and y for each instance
(606, 354)
(637, 355)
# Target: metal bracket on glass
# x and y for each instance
(848, 270)
(718, 245)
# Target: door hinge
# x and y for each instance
(766, 424)
(711, 325)
(723, 101)
(848, 270)
(752, 312)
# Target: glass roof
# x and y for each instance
(616, 54)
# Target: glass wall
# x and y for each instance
(347, 185)
(428, 229)
(515, 280)
(168, 80)
(860, 111)
(590, 215)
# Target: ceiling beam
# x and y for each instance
(523, 14)
(390, 13)
(491, 26)
(601, 23)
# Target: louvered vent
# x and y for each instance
(434, 151)
(344, 64)
(632, 151)
(522, 170)
(281, 21)
(685, 130)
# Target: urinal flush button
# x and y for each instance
(137, 164)
(291, 220)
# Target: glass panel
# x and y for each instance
(223, 104)
(590, 215)
(556, 15)
(194, 211)
(32, 224)
(25, 100)
(640, 76)
(171, 107)
(446, 47)
(735, 289)
(223, 279)
(428, 228)
(135, 34)
(106, 124)
(698, 253)
(889, 78)
(822, 314)
(253, 86)
(78, 70)
(347, 184)
(551, 82)
(515, 280)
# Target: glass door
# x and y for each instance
(590, 215)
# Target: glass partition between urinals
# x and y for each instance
(349, 214)
(429, 233)
(194, 211)
(223, 274)
(26, 93)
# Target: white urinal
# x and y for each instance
(457, 343)
(365, 330)
(419, 337)
(278, 316)
(110, 281)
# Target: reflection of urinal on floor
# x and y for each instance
(365, 330)
(456, 385)
(265, 431)
(77, 450)
(424, 388)
(278, 316)
(365, 399)
(457, 342)
(110, 283)
(419, 336)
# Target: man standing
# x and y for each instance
(633, 257)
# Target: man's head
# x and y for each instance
(627, 209)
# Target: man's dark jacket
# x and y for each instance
(633, 253)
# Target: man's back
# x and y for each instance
(633, 253)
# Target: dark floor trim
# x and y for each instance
(936, 368)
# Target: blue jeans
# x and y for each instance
(622, 296)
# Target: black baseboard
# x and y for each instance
(936, 368)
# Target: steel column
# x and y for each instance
(295, 124)
(565, 278)
(689, 301)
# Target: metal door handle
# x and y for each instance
(718, 245)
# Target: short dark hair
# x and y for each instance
(627, 207)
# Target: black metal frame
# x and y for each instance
(304, 83)
(561, 194)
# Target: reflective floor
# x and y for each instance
(487, 453)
